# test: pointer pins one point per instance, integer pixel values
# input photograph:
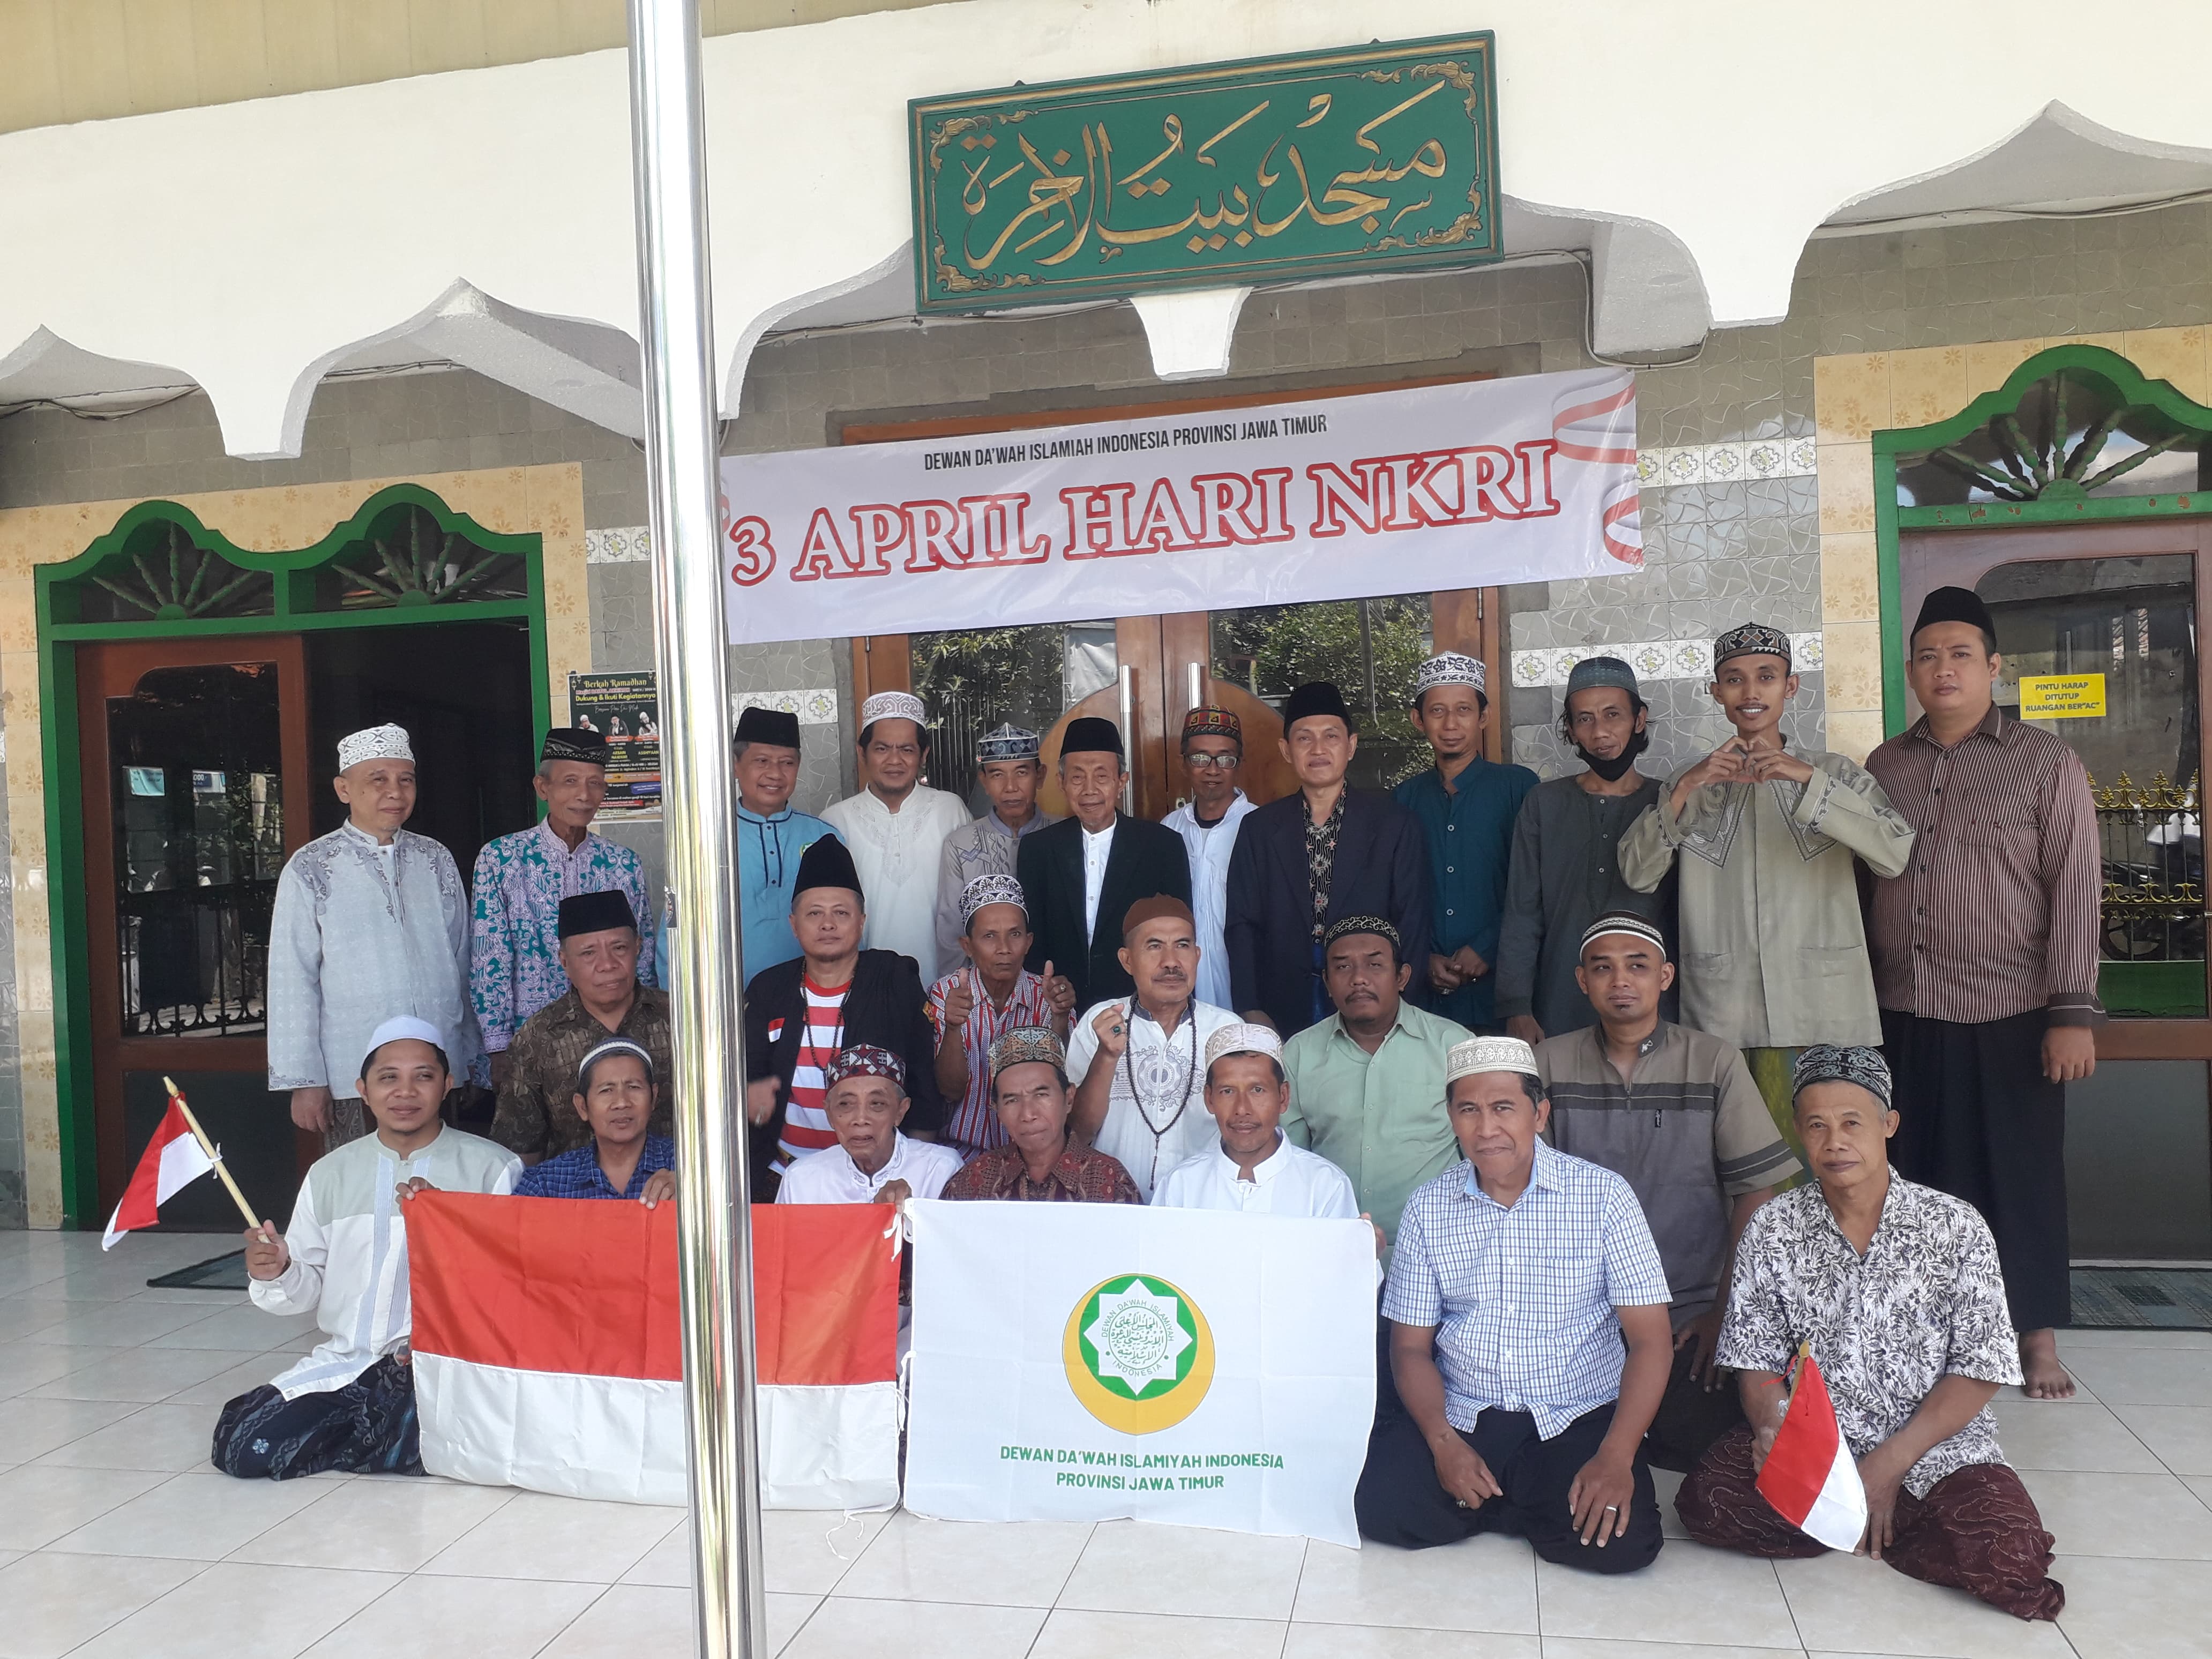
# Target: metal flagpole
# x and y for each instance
(707, 977)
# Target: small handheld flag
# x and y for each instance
(1810, 1477)
(179, 1154)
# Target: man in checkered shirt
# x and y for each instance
(1518, 1274)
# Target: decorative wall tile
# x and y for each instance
(1652, 660)
(815, 707)
(1724, 464)
(630, 545)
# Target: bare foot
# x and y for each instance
(2041, 1377)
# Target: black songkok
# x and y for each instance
(1091, 736)
(594, 913)
(1314, 698)
(573, 742)
(778, 728)
(1954, 605)
(826, 863)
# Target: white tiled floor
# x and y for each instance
(117, 1541)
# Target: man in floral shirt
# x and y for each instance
(1897, 1288)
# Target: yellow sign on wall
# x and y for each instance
(2062, 696)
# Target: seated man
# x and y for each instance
(872, 1163)
(616, 1096)
(350, 1406)
(1250, 1168)
(1896, 1288)
(1517, 1277)
(598, 954)
(1039, 1161)
(1675, 1111)
(978, 1003)
(1137, 1060)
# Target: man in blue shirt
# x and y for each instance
(615, 1093)
(1467, 806)
(770, 837)
(1517, 1277)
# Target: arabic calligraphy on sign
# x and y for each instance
(1212, 177)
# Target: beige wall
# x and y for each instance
(87, 60)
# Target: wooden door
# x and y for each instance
(196, 790)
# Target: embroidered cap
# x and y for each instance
(1025, 1045)
(865, 1060)
(1346, 926)
(1451, 668)
(1593, 673)
(607, 1050)
(408, 1029)
(991, 890)
(573, 742)
(1211, 722)
(893, 706)
(1007, 742)
(1825, 1062)
(1626, 922)
(1752, 639)
(1243, 1039)
(1488, 1053)
(377, 743)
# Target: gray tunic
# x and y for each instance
(1566, 874)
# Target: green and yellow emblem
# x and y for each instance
(1140, 1354)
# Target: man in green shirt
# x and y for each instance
(1367, 1083)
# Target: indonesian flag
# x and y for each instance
(172, 1158)
(1810, 1476)
(547, 1353)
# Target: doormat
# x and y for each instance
(2142, 1298)
(221, 1273)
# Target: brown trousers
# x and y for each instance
(1977, 1530)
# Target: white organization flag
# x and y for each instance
(1096, 1361)
(1528, 478)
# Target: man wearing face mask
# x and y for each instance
(1566, 865)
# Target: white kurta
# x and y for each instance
(1209, 850)
(1151, 1137)
(831, 1177)
(1289, 1181)
(349, 1241)
(898, 855)
(360, 934)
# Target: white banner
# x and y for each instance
(1529, 479)
(1092, 1362)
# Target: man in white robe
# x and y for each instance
(896, 828)
(370, 922)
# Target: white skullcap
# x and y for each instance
(377, 743)
(893, 706)
(402, 1028)
(1243, 1039)
(1488, 1053)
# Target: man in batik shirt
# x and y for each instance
(1896, 1288)
(1039, 1161)
(515, 946)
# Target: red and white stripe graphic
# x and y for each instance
(805, 1122)
(1810, 1477)
(173, 1157)
(547, 1350)
(1600, 429)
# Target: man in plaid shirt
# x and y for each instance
(1516, 1276)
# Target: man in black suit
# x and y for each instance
(1301, 862)
(1082, 874)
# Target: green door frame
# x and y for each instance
(2061, 502)
(400, 600)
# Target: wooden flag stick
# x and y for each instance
(253, 1222)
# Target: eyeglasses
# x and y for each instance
(1213, 763)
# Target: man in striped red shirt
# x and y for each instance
(799, 1015)
(1985, 954)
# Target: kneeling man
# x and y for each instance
(1898, 1289)
(872, 1163)
(1516, 1278)
(350, 1406)
(615, 1096)
(1251, 1169)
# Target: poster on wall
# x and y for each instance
(625, 710)
(1472, 484)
